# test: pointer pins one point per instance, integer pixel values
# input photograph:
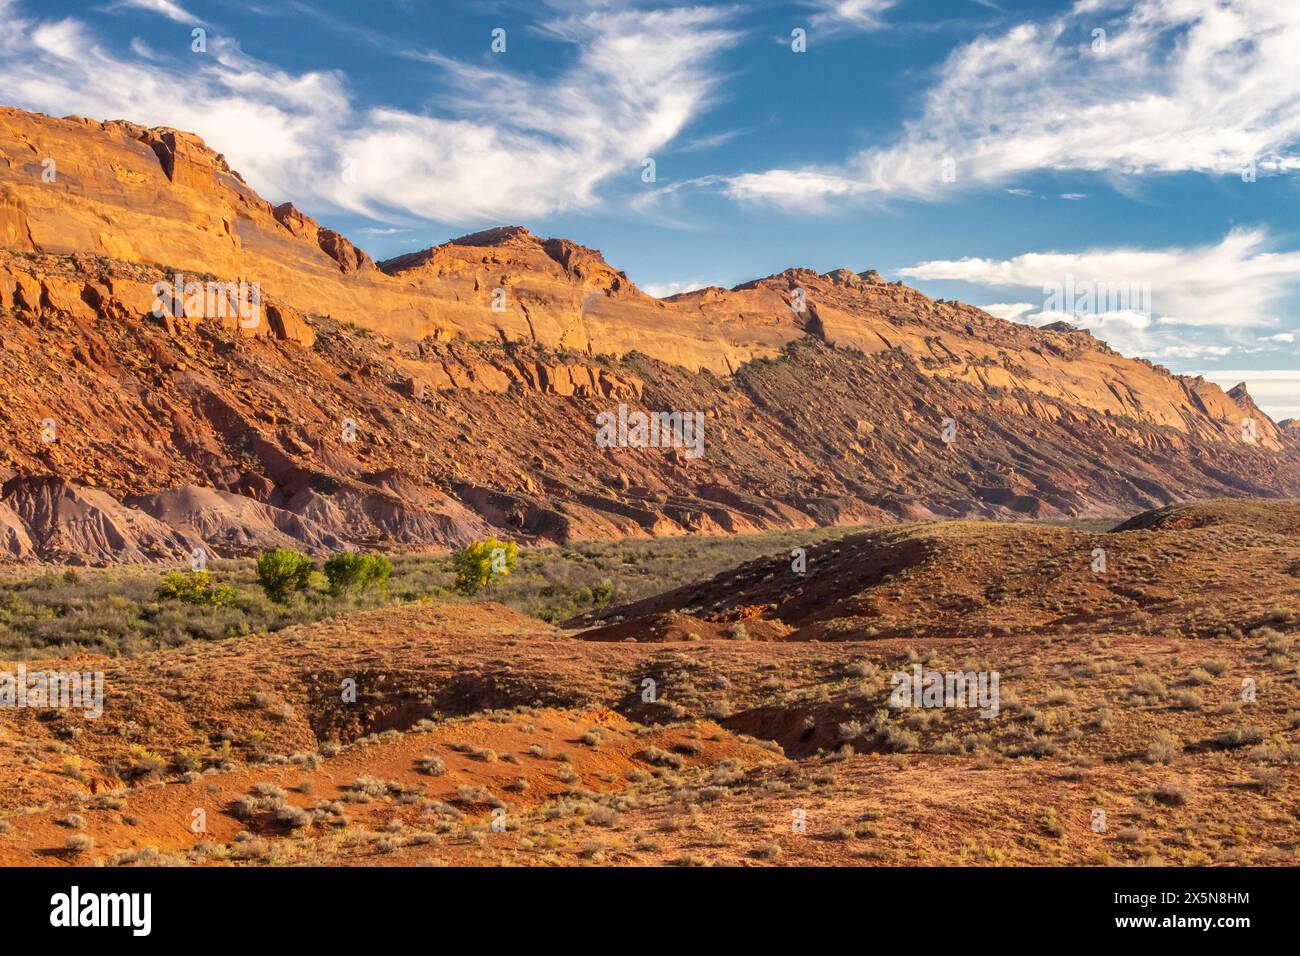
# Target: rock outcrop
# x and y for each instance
(453, 392)
(77, 525)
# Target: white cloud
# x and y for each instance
(1128, 331)
(529, 147)
(166, 8)
(507, 147)
(1236, 283)
(711, 141)
(61, 41)
(1180, 85)
(1195, 351)
(1125, 330)
(661, 290)
(790, 187)
(850, 14)
(1011, 311)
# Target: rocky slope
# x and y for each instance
(452, 392)
(1162, 573)
(1123, 691)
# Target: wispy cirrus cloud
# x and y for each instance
(1166, 86)
(522, 146)
(165, 8)
(849, 14)
(504, 145)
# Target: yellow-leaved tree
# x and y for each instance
(480, 563)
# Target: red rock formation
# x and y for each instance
(472, 373)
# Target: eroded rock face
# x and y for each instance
(162, 197)
(64, 286)
(233, 524)
(501, 375)
(453, 392)
(15, 542)
(77, 525)
(333, 244)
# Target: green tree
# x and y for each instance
(480, 563)
(195, 587)
(378, 570)
(283, 572)
(348, 570)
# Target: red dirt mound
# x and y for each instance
(674, 626)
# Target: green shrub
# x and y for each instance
(348, 570)
(195, 587)
(283, 572)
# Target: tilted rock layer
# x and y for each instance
(451, 393)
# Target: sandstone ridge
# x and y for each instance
(442, 395)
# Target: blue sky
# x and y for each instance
(987, 150)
